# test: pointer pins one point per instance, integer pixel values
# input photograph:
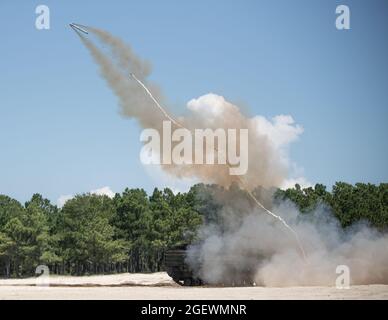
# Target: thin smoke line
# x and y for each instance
(156, 102)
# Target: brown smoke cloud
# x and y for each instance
(115, 69)
(267, 164)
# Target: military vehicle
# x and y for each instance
(178, 269)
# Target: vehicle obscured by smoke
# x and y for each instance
(239, 243)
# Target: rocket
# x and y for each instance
(76, 27)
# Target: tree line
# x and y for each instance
(348, 203)
(94, 234)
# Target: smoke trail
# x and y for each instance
(156, 102)
(267, 163)
(299, 243)
(268, 172)
(239, 178)
(133, 103)
(249, 240)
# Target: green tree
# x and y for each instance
(87, 237)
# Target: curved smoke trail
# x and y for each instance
(238, 177)
(156, 102)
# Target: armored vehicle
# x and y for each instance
(178, 269)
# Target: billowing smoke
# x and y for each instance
(242, 243)
(116, 68)
(267, 139)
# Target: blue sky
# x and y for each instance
(60, 129)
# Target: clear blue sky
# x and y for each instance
(60, 130)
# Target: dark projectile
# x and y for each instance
(77, 27)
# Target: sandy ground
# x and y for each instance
(160, 286)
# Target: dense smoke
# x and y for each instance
(247, 243)
(242, 244)
(115, 67)
(267, 139)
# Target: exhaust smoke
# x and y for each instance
(245, 242)
(239, 244)
(240, 179)
(268, 162)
